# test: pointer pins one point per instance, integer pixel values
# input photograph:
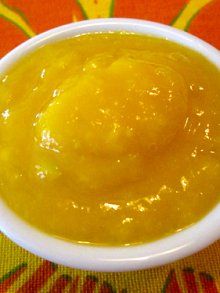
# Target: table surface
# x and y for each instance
(23, 272)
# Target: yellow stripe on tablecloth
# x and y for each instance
(17, 19)
(188, 13)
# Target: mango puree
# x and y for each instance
(110, 138)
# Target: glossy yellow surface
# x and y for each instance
(110, 139)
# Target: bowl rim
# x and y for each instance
(100, 258)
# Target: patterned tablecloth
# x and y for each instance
(21, 271)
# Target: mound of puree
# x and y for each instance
(110, 138)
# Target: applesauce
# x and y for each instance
(110, 138)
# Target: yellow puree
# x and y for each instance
(110, 138)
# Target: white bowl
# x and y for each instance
(96, 258)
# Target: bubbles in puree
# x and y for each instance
(110, 138)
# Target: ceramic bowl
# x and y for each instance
(99, 258)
